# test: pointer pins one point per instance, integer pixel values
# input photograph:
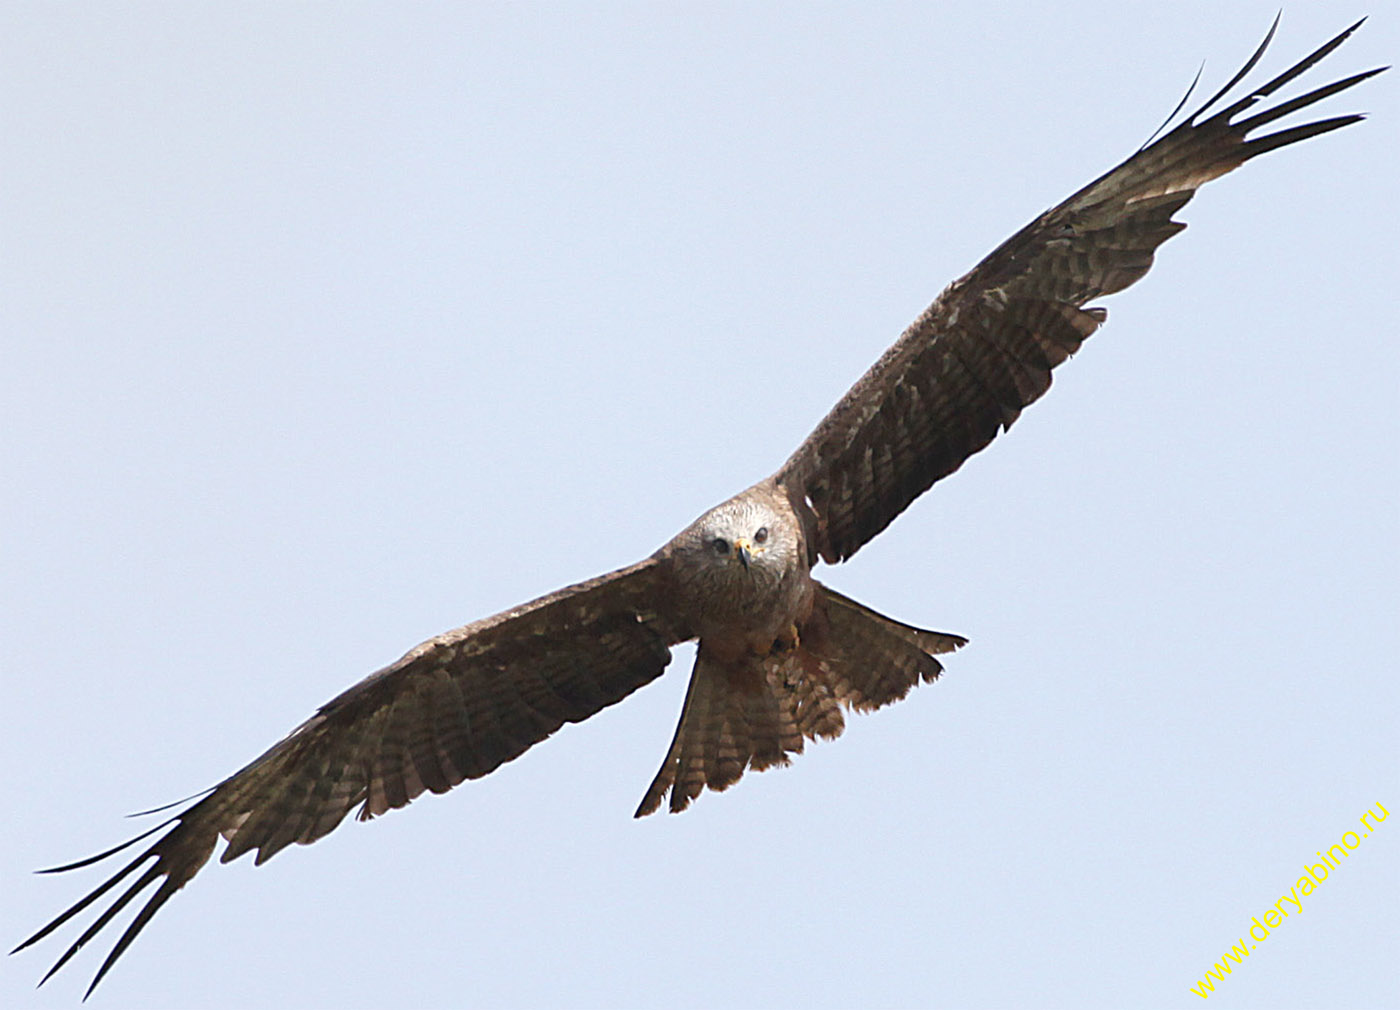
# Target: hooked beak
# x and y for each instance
(743, 550)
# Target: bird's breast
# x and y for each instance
(745, 612)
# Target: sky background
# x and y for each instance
(328, 328)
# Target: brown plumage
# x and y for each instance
(780, 655)
(757, 712)
(985, 348)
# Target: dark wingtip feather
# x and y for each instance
(142, 882)
(1269, 87)
(162, 895)
(1246, 126)
(1239, 75)
(85, 902)
(153, 872)
(104, 855)
(1191, 89)
(1283, 138)
(171, 806)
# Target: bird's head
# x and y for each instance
(744, 538)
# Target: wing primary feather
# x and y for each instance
(171, 806)
(142, 882)
(162, 895)
(1255, 94)
(110, 852)
(1250, 64)
(1283, 138)
(1179, 106)
(85, 902)
(1302, 101)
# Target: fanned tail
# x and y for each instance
(759, 712)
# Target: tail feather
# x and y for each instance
(735, 717)
(873, 660)
(759, 712)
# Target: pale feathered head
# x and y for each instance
(744, 538)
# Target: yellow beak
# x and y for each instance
(743, 550)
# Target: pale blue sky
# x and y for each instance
(329, 328)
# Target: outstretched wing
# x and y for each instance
(454, 708)
(985, 348)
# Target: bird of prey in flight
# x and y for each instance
(780, 655)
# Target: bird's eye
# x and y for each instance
(721, 545)
(761, 536)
